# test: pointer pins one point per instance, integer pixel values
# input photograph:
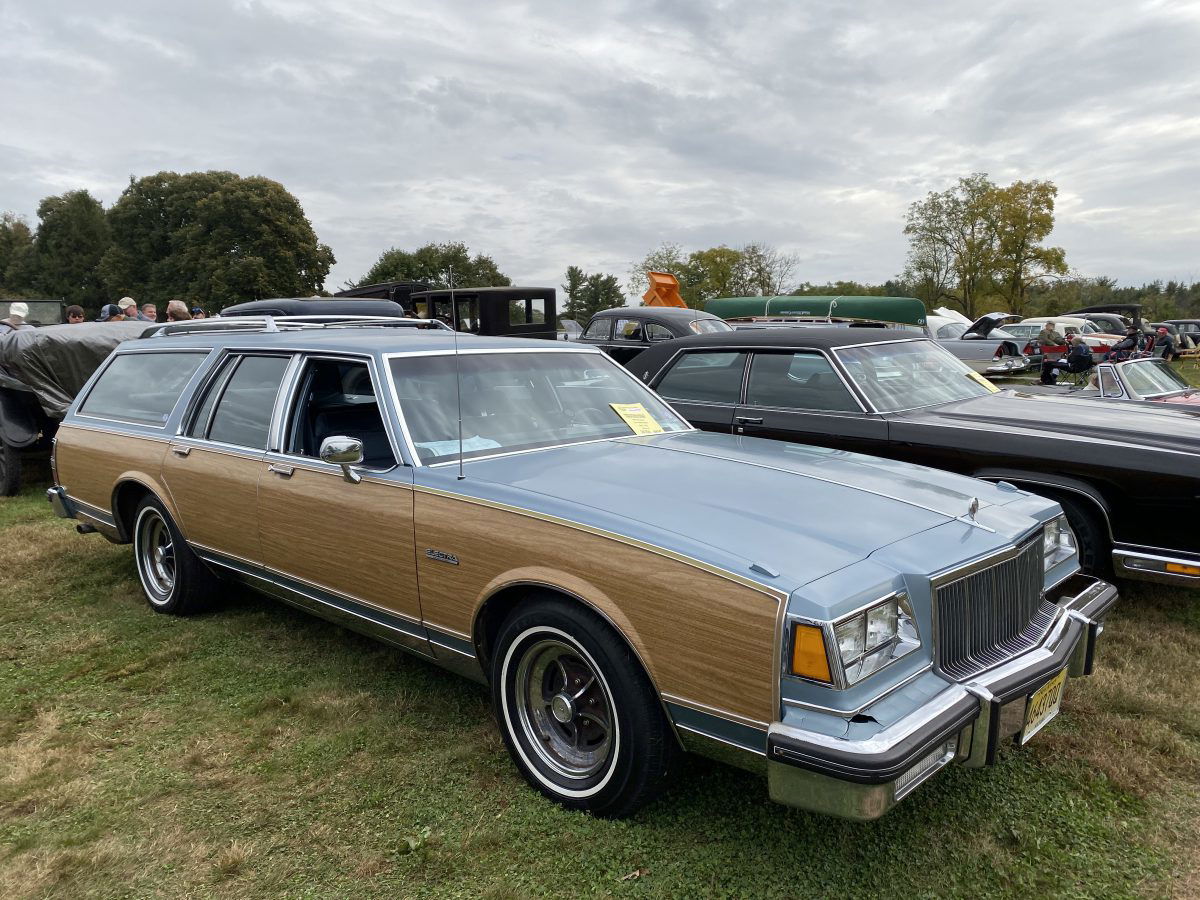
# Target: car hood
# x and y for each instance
(1192, 398)
(734, 501)
(1136, 424)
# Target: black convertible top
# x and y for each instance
(793, 336)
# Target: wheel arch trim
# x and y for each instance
(1055, 482)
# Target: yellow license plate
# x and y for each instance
(1043, 705)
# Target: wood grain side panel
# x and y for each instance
(355, 539)
(91, 463)
(216, 499)
(702, 636)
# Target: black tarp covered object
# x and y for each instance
(56, 361)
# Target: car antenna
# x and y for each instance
(457, 374)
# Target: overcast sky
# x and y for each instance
(558, 133)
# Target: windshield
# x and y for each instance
(1152, 377)
(521, 400)
(911, 374)
(710, 326)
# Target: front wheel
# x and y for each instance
(173, 578)
(577, 712)
(1095, 548)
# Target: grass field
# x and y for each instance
(256, 752)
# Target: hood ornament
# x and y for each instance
(973, 508)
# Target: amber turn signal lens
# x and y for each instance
(1179, 569)
(809, 659)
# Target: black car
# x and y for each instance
(626, 331)
(1130, 484)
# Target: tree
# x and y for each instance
(588, 294)
(72, 235)
(767, 269)
(1022, 216)
(952, 235)
(432, 264)
(721, 271)
(16, 249)
(212, 237)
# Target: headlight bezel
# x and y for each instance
(1059, 543)
(850, 650)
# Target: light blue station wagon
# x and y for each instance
(532, 516)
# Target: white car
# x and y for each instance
(1099, 341)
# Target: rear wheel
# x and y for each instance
(10, 470)
(173, 578)
(577, 712)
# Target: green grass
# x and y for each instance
(257, 752)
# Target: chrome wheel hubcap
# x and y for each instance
(564, 709)
(156, 555)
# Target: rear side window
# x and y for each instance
(705, 377)
(599, 329)
(241, 402)
(628, 330)
(142, 387)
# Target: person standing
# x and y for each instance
(150, 311)
(18, 311)
(111, 312)
(1049, 339)
(177, 311)
(129, 310)
(74, 314)
(199, 313)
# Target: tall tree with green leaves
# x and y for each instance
(16, 251)
(755, 269)
(1022, 216)
(72, 236)
(432, 264)
(212, 237)
(952, 235)
(587, 294)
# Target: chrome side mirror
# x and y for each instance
(345, 452)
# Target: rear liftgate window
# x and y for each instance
(142, 387)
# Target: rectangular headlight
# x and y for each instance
(869, 640)
(1058, 542)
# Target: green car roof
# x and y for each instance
(900, 310)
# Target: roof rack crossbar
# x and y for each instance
(274, 324)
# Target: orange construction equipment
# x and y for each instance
(664, 290)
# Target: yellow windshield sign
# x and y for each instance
(636, 417)
(987, 384)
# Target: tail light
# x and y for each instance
(999, 354)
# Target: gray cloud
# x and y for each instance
(553, 134)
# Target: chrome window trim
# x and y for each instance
(293, 387)
(83, 426)
(394, 397)
(219, 447)
(85, 395)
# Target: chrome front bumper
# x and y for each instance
(863, 779)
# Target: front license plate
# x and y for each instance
(1043, 705)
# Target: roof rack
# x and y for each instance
(272, 324)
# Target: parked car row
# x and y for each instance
(836, 555)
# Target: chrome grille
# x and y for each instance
(988, 616)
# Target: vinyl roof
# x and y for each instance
(791, 336)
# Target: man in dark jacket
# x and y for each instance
(1078, 360)
(1165, 341)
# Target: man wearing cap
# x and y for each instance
(17, 311)
(1166, 340)
(129, 310)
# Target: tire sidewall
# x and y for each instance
(158, 601)
(558, 785)
(634, 704)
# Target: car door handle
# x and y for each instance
(281, 470)
(181, 451)
(748, 420)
